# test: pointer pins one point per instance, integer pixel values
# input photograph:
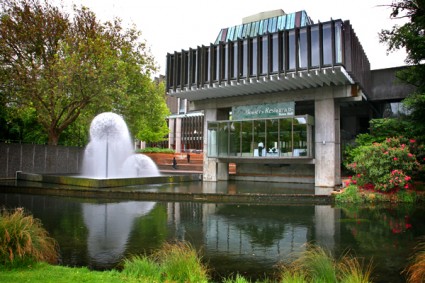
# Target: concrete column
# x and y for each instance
(178, 135)
(171, 134)
(326, 219)
(327, 145)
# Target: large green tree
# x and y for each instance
(67, 69)
(410, 35)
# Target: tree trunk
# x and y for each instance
(53, 137)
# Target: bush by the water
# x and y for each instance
(23, 239)
(385, 166)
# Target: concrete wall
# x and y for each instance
(32, 158)
(287, 173)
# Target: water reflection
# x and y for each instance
(249, 239)
(109, 226)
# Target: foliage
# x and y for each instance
(60, 67)
(415, 270)
(177, 262)
(317, 265)
(386, 166)
(23, 239)
(409, 36)
(155, 150)
(350, 194)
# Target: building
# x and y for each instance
(279, 96)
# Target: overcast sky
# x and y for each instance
(173, 25)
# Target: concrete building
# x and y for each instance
(278, 95)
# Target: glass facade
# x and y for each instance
(289, 137)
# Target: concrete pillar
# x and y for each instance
(178, 135)
(327, 145)
(326, 219)
(171, 134)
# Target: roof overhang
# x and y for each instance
(336, 75)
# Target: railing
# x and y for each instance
(328, 44)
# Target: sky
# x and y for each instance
(173, 25)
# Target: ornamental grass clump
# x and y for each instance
(317, 265)
(178, 262)
(385, 166)
(23, 239)
(415, 270)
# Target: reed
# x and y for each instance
(23, 239)
(415, 270)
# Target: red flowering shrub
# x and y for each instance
(386, 166)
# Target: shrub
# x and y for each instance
(387, 165)
(155, 150)
(142, 267)
(23, 239)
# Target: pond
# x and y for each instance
(249, 239)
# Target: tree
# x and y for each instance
(411, 36)
(60, 67)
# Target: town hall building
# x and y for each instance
(278, 96)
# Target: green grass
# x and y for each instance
(45, 273)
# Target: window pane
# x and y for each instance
(292, 51)
(247, 144)
(315, 47)
(303, 49)
(260, 137)
(300, 137)
(265, 55)
(212, 139)
(235, 138)
(207, 61)
(226, 62)
(285, 137)
(253, 57)
(223, 139)
(235, 60)
(275, 52)
(327, 44)
(272, 148)
(338, 42)
(244, 62)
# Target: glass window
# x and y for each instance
(285, 137)
(272, 147)
(264, 54)
(185, 56)
(212, 139)
(235, 59)
(247, 142)
(225, 60)
(244, 55)
(235, 138)
(303, 49)
(327, 44)
(300, 136)
(207, 60)
(193, 68)
(253, 57)
(216, 63)
(291, 50)
(338, 42)
(223, 139)
(260, 137)
(275, 53)
(179, 68)
(315, 46)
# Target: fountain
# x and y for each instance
(109, 153)
(109, 160)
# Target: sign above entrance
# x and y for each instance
(280, 109)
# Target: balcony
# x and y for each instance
(315, 55)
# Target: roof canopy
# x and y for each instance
(264, 26)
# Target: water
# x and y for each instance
(109, 153)
(249, 239)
